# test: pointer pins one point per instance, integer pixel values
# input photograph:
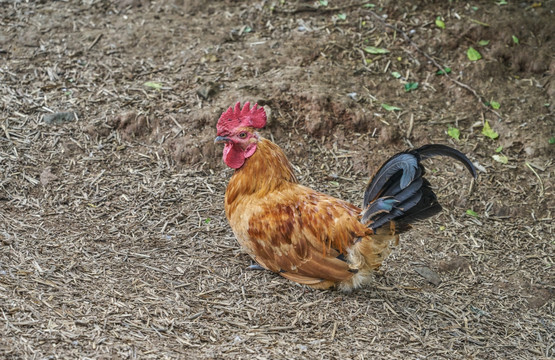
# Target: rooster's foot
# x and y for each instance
(255, 267)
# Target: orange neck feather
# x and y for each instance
(266, 170)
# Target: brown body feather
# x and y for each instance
(303, 235)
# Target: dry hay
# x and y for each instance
(113, 240)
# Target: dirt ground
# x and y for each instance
(113, 238)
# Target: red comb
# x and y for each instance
(246, 117)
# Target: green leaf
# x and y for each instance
(411, 86)
(495, 104)
(375, 50)
(447, 70)
(500, 158)
(483, 42)
(515, 40)
(472, 213)
(323, 2)
(454, 132)
(499, 149)
(247, 29)
(334, 183)
(489, 132)
(551, 140)
(207, 221)
(475, 8)
(473, 54)
(368, 5)
(390, 107)
(502, 2)
(396, 75)
(154, 85)
(439, 23)
(341, 16)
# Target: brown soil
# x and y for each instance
(113, 240)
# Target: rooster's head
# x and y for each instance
(236, 129)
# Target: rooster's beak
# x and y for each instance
(221, 139)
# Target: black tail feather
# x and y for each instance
(398, 192)
(395, 186)
(431, 150)
(426, 207)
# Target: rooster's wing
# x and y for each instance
(302, 234)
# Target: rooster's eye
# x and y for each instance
(243, 135)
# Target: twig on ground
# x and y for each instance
(539, 178)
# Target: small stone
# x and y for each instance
(428, 274)
(59, 118)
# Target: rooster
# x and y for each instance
(307, 236)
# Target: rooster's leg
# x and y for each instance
(255, 267)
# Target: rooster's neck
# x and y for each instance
(265, 171)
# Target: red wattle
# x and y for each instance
(234, 156)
